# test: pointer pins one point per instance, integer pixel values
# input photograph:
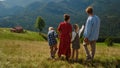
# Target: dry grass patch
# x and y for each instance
(35, 54)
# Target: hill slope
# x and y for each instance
(28, 35)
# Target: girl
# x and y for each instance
(75, 40)
(52, 35)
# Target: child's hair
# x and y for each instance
(75, 26)
(50, 28)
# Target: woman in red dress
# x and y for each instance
(65, 31)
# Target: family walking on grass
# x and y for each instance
(67, 36)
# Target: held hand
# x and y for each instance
(83, 26)
(86, 40)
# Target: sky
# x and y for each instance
(2, 0)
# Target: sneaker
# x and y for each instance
(53, 57)
(67, 59)
(62, 57)
(50, 58)
(72, 60)
(76, 60)
(88, 59)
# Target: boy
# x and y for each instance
(52, 35)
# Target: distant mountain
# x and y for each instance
(52, 11)
(6, 10)
(23, 3)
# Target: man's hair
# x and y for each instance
(89, 10)
(66, 17)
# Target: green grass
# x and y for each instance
(35, 54)
(104, 45)
(30, 50)
(28, 35)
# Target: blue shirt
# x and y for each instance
(92, 28)
(52, 35)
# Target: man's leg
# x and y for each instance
(93, 48)
(87, 51)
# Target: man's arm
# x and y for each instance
(87, 30)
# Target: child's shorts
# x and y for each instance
(52, 43)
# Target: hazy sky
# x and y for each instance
(2, 0)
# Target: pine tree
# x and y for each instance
(40, 23)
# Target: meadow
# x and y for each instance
(19, 51)
(27, 35)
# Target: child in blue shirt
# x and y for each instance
(52, 35)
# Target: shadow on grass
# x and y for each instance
(44, 36)
(97, 63)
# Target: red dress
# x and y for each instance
(65, 30)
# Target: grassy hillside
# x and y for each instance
(27, 54)
(30, 50)
(28, 35)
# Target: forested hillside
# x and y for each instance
(52, 12)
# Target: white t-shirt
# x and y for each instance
(79, 33)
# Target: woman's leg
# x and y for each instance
(60, 48)
(73, 52)
(68, 54)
